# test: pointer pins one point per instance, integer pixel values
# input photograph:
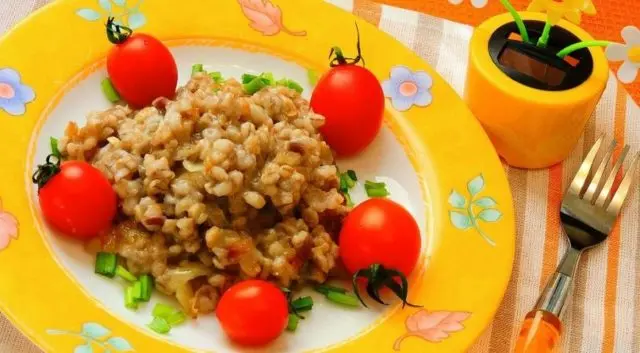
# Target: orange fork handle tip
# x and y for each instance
(540, 333)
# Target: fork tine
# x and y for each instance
(606, 189)
(623, 189)
(589, 195)
(581, 176)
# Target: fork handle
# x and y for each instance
(540, 332)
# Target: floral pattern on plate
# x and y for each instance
(266, 18)
(628, 53)
(407, 88)
(434, 326)
(464, 216)
(96, 335)
(14, 95)
(119, 9)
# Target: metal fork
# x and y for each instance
(588, 213)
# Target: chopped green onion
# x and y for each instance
(295, 86)
(167, 316)
(292, 325)
(347, 197)
(246, 78)
(290, 84)
(344, 187)
(106, 264)
(380, 192)
(124, 274)
(130, 298)
(176, 318)
(163, 311)
(302, 304)
(374, 189)
(109, 91)
(137, 291)
(326, 288)
(267, 77)
(196, 68)
(54, 147)
(374, 184)
(312, 76)
(350, 182)
(352, 175)
(255, 85)
(146, 282)
(343, 298)
(216, 76)
(347, 180)
(159, 325)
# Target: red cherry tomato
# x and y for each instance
(380, 231)
(352, 102)
(78, 201)
(142, 69)
(253, 312)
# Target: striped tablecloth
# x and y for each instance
(604, 313)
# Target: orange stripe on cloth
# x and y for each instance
(613, 253)
(552, 229)
(506, 321)
(636, 343)
(370, 11)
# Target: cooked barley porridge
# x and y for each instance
(217, 186)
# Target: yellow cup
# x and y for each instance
(532, 122)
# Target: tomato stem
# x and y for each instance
(339, 56)
(116, 33)
(377, 277)
(46, 171)
(340, 59)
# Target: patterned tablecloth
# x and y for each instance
(604, 313)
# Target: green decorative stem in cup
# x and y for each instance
(518, 20)
(581, 45)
